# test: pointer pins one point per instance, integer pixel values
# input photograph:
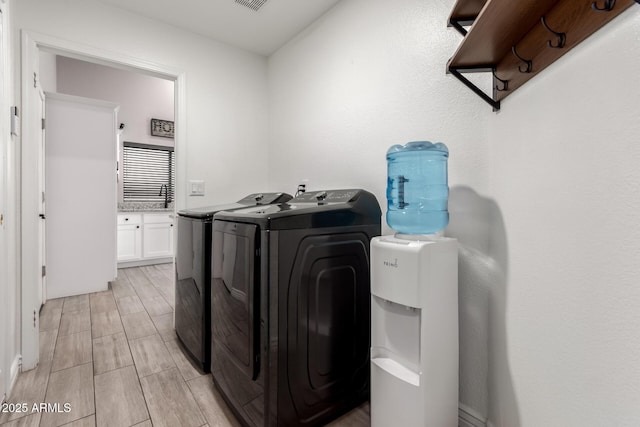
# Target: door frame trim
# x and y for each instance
(5, 139)
(32, 42)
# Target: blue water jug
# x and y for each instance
(417, 189)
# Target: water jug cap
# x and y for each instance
(419, 146)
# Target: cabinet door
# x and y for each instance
(158, 240)
(129, 242)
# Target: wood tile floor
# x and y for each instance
(115, 358)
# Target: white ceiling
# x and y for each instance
(263, 32)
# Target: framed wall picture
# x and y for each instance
(162, 128)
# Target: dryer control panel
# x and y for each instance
(325, 196)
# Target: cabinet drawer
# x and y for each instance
(129, 219)
(158, 218)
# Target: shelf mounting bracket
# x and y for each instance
(458, 24)
(458, 74)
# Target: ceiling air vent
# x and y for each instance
(252, 4)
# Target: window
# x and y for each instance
(145, 169)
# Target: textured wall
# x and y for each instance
(564, 170)
(368, 75)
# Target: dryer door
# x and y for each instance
(234, 297)
(191, 286)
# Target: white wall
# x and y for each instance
(543, 195)
(141, 97)
(563, 164)
(225, 89)
(368, 75)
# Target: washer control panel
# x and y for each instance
(264, 198)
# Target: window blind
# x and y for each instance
(145, 169)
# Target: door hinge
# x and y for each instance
(43, 123)
(1, 218)
(34, 318)
(35, 80)
(44, 270)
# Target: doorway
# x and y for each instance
(32, 239)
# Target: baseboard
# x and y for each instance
(142, 263)
(13, 374)
(468, 417)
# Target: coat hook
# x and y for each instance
(526, 61)
(505, 83)
(608, 5)
(562, 37)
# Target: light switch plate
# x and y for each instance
(196, 188)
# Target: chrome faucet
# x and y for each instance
(166, 194)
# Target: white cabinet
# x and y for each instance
(129, 242)
(129, 237)
(158, 236)
(145, 238)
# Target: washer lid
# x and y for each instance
(327, 208)
(250, 200)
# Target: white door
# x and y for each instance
(42, 285)
(81, 195)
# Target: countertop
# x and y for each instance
(141, 207)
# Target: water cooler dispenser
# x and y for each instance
(414, 300)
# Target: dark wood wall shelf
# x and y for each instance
(515, 40)
(464, 13)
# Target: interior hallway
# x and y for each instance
(115, 358)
